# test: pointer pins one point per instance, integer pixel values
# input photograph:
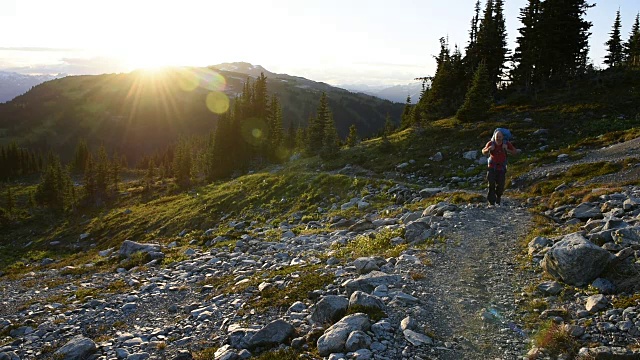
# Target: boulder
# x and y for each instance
(129, 247)
(273, 334)
(78, 348)
(335, 337)
(575, 261)
(329, 309)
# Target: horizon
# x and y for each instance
(366, 43)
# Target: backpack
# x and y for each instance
(507, 134)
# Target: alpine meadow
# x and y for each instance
(230, 212)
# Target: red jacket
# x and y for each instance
(498, 156)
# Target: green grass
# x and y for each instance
(375, 244)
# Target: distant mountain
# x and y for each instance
(397, 93)
(140, 112)
(14, 84)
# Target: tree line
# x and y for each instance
(551, 51)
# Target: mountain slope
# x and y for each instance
(141, 112)
(14, 84)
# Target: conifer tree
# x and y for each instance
(527, 52)
(150, 175)
(115, 171)
(102, 172)
(10, 200)
(80, 157)
(407, 114)
(352, 138)
(331, 142)
(388, 125)
(53, 187)
(478, 100)
(90, 185)
(615, 49)
(276, 131)
(632, 46)
(182, 163)
(316, 129)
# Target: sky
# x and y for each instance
(372, 42)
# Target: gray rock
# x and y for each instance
(129, 247)
(78, 348)
(604, 286)
(329, 309)
(273, 334)
(575, 260)
(360, 298)
(596, 303)
(335, 337)
(417, 231)
(416, 339)
(365, 265)
(370, 281)
(550, 287)
(357, 340)
(586, 211)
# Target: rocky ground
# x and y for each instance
(461, 295)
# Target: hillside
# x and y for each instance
(142, 112)
(391, 241)
(14, 84)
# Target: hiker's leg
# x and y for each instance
(500, 179)
(491, 178)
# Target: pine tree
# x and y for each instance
(331, 142)
(150, 175)
(182, 164)
(615, 49)
(53, 187)
(90, 186)
(115, 171)
(632, 46)
(407, 114)
(276, 131)
(388, 125)
(316, 128)
(527, 52)
(102, 172)
(352, 138)
(80, 157)
(478, 100)
(10, 200)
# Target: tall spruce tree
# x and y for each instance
(632, 46)
(331, 142)
(527, 52)
(479, 99)
(565, 45)
(80, 156)
(316, 128)
(407, 114)
(615, 55)
(352, 138)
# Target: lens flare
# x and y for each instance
(191, 79)
(188, 80)
(254, 131)
(217, 102)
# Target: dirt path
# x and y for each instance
(471, 285)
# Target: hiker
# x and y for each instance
(497, 150)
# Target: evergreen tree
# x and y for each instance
(182, 163)
(478, 100)
(102, 172)
(10, 200)
(632, 46)
(316, 129)
(331, 142)
(150, 175)
(80, 157)
(388, 125)
(276, 131)
(116, 168)
(352, 138)
(615, 49)
(53, 187)
(90, 185)
(407, 114)
(527, 52)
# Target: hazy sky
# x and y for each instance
(336, 41)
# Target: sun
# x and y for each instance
(151, 61)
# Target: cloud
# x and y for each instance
(73, 66)
(35, 49)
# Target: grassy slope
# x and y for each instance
(586, 118)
